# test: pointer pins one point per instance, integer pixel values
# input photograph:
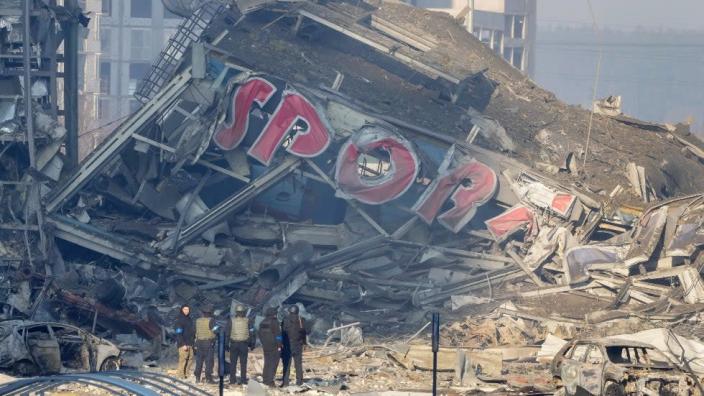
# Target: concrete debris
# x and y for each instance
(549, 348)
(412, 185)
(682, 351)
(609, 106)
(636, 176)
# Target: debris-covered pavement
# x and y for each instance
(372, 162)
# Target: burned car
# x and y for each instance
(618, 367)
(29, 348)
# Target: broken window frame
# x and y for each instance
(576, 349)
(595, 349)
(64, 340)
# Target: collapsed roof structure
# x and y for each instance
(374, 161)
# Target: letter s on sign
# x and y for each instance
(311, 141)
(402, 172)
(233, 132)
(466, 199)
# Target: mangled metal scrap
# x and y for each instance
(245, 177)
(604, 367)
(31, 348)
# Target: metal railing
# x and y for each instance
(165, 66)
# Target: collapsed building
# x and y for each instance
(370, 160)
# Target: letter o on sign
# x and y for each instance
(393, 180)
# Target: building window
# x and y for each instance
(106, 7)
(493, 39)
(104, 108)
(497, 43)
(518, 26)
(170, 15)
(82, 70)
(140, 44)
(517, 60)
(137, 72)
(105, 77)
(105, 40)
(141, 8)
(485, 36)
(515, 26)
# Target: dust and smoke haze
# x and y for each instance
(652, 55)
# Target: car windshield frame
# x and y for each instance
(637, 356)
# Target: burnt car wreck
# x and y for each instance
(618, 367)
(31, 348)
(357, 159)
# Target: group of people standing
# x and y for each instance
(280, 341)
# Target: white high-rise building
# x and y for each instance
(124, 38)
(132, 33)
(506, 26)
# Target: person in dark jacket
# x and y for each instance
(285, 347)
(270, 336)
(239, 330)
(294, 328)
(185, 337)
(205, 344)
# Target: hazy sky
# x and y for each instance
(627, 14)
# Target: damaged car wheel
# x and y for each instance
(614, 389)
(110, 364)
(25, 368)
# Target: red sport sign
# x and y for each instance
(292, 118)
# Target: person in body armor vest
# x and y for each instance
(294, 327)
(270, 336)
(205, 344)
(239, 330)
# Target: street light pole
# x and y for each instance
(436, 348)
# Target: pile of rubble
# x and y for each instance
(374, 162)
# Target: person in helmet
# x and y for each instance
(205, 344)
(185, 337)
(239, 330)
(270, 336)
(294, 327)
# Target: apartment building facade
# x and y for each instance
(132, 33)
(506, 26)
(123, 39)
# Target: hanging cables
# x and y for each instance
(596, 82)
